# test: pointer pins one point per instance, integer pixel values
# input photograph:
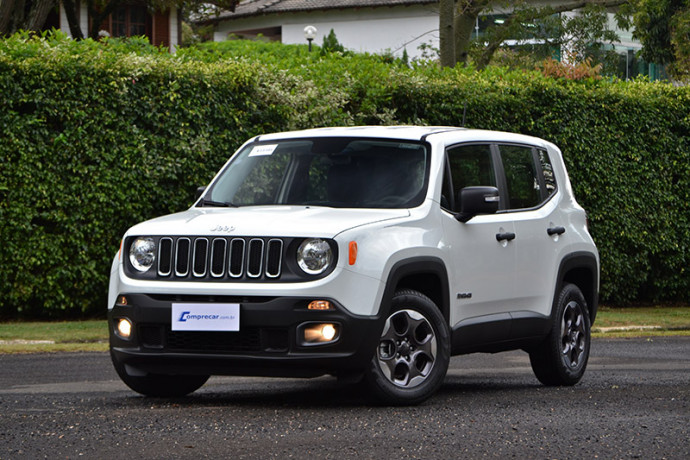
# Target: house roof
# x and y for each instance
(260, 7)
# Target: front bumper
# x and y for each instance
(268, 343)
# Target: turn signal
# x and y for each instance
(320, 305)
(353, 252)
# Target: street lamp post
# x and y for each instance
(310, 34)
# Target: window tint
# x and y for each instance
(471, 165)
(522, 180)
(335, 172)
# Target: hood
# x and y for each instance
(266, 221)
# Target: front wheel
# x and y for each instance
(411, 359)
(562, 358)
(159, 385)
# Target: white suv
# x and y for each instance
(374, 252)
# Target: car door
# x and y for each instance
(483, 265)
(533, 208)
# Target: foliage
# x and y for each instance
(663, 28)
(331, 44)
(99, 136)
(526, 22)
(570, 71)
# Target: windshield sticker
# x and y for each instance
(263, 150)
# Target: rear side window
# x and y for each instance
(522, 180)
(548, 174)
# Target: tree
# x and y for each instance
(24, 15)
(466, 13)
(663, 28)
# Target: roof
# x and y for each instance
(260, 7)
(412, 133)
(382, 132)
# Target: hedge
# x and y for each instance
(99, 136)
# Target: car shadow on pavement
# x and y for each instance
(321, 392)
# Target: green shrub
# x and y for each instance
(99, 136)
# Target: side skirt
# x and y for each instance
(499, 332)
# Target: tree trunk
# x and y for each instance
(97, 16)
(37, 15)
(73, 19)
(445, 27)
(6, 7)
(463, 25)
(11, 16)
(14, 15)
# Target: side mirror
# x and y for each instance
(477, 200)
(199, 191)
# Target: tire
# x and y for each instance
(159, 385)
(411, 359)
(562, 358)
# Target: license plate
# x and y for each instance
(205, 317)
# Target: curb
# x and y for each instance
(626, 328)
(27, 342)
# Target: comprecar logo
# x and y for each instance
(187, 315)
(205, 317)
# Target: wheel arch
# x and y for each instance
(582, 270)
(427, 275)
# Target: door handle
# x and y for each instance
(505, 236)
(555, 231)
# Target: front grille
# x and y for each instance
(220, 258)
(248, 340)
(243, 341)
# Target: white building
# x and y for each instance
(361, 25)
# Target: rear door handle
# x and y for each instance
(555, 231)
(505, 236)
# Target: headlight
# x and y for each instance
(314, 256)
(142, 253)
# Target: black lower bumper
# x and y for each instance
(267, 344)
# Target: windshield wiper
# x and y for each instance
(220, 204)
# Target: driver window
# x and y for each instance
(471, 165)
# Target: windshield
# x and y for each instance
(334, 172)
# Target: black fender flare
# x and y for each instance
(423, 265)
(585, 264)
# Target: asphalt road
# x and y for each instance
(634, 402)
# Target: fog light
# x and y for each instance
(124, 328)
(328, 332)
(319, 305)
(321, 333)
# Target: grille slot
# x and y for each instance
(218, 254)
(190, 258)
(236, 258)
(200, 257)
(182, 257)
(165, 256)
(255, 258)
(274, 258)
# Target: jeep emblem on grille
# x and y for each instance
(223, 228)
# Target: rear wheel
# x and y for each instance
(413, 352)
(562, 358)
(160, 385)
